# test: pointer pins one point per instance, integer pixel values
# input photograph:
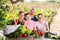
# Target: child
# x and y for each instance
(29, 24)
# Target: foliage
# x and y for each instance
(26, 9)
(3, 9)
(21, 30)
(7, 13)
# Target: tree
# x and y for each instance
(3, 9)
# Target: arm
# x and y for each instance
(35, 28)
(47, 27)
(25, 24)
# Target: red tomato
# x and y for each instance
(17, 21)
(25, 35)
(40, 33)
(20, 35)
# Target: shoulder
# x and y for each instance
(36, 22)
(34, 18)
(45, 22)
(33, 21)
(25, 21)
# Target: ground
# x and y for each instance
(55, 26)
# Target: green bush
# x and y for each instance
(3, 9)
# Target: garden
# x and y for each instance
(9, 12)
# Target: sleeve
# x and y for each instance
(46, 23)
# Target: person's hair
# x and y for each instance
(32, 9)
(26, 14)
(21, 12)
(40, 14)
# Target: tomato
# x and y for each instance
(17, 21)
(25, 35)
(20, 35)
(40, 33)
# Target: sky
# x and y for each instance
(34, 0)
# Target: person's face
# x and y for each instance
(21, 15)
(40, 17)
(32, 12)
(28, 17)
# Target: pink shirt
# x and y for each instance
(30, 25)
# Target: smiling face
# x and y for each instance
(40, 17)
(28, 17)
(21, 15)
(32, 11)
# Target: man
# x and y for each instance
(32, 13)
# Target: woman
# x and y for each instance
(29, 24)
(41, 24)
(21, 18)
(12, 28)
